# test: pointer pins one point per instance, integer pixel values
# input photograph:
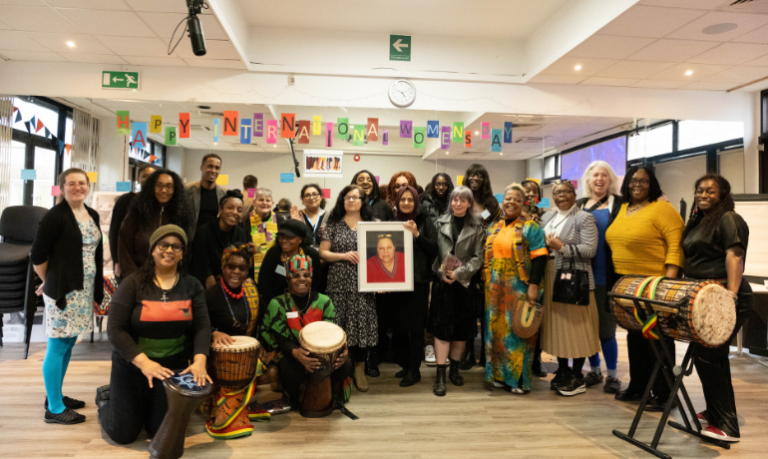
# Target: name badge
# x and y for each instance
(485, 214)
(292, 315)
(280, 270)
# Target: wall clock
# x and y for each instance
(402, 93)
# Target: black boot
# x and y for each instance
(372, 364)
(468, 356)
(401, 374)
(454, 375)
(439, 387)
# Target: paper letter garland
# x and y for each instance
(419, 138)
(271, 131)
(372, 130)
(183, 125)
(230, 123)
(258, 125)
(123, 122)
(445, 137)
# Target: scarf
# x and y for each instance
(402, 216)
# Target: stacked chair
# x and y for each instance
(18, 228)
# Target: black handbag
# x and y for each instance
(571, 285)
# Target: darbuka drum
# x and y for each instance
(324, 341)
(234, 365)
(184, 397)
(700, 311)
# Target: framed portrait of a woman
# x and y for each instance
(386, 257)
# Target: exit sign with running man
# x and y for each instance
(119, 80)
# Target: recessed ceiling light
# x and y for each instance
(71, 44)
(689, 72)
(500, 154)
(446, 152)
(477, 132)
(578, 67)
(274, 146)
(715, 29)
(204, 107)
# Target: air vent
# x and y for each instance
(531, 139)
(210, 113)
(747, 6)
(201, 127)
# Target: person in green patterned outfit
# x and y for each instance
(286, 315)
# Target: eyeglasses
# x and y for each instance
(241, 268)
(641, 182)
(312, 195)
(163, 246)
(351, 198)
(301, 275)
(161, 187)
(562, 192)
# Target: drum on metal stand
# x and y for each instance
(184, 397)
(324, 341)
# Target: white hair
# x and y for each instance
(464, 193)
(263, 192)
(613, 188)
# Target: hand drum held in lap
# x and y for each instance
(234, 365)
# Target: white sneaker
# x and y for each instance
(498, 385)
(429, 355)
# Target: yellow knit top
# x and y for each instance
(644, 242)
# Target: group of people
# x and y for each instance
(199, 265)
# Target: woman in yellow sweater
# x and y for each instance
(645, 241)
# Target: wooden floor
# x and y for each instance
(470, 422)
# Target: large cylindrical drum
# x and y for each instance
(234, 365)
(324, 341)
(699, 311)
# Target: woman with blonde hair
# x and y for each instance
(601, 199)
(261, 224)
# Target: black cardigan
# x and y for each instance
(60, 243)
(425, 248)
(119, 212)
(610, 273)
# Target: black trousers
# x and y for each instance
(293, 375)
(385, 318)
(714, 369)
(641, 363)
(132, 405)
(409, 314)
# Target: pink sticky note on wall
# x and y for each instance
(55, 191)
(251, 193)
(327, 193)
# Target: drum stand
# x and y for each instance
(674, 378)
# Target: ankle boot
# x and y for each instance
(454, 375)
(372, 364)
(411, 377)
(468, 356)
(360, 382)
(439, 387)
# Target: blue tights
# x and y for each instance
(610, 352)
(54, 368)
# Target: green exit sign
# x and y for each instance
(399, 47)
(119, 80)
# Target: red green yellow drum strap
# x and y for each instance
(652, 321)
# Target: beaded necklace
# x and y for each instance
(227, 294)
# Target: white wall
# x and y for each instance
(174, 157)
(112, 156)
(267, 167)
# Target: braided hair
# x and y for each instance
(711, 219)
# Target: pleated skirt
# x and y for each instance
(567, 330)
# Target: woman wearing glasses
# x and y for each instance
(569, 331)
(158, 324)
(645, 241)
(233, 301)
(313, 213)
(213, 237)
(355, 312)
(160, 202)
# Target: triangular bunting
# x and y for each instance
(152, 158)
(39, 125)
(29, 129)
(68, 148)
(18, 115)
(47, 133)
(61, 146)
(15, 109)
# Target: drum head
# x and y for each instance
(713, 314)
(185, 385)
(242, 343)
(320, 337)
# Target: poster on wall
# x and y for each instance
(323, 163)
(388, 252)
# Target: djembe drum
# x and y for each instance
(324, 341)
(703, 311)
(184, 397)
(233, 367)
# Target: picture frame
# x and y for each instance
(323, 163)
(386, 257)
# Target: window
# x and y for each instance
(614, 152)
(551, 169)
(647, 143)
(694, 134)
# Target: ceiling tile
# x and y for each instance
(93, 58)
(566, 66)
(115, 5)
(739, 75)
(31, 56)
(120, 23)
(158, 61)
(17, 41)
(693, 4)
(708, 86)
(609, 47)
(649, 21)
(164, 23)
(760, 62)
(634, 69)
(24, 2)
(666, 50)
(58, 42)
(756, 36)
(659, 84)
(158, 6)
(599, 81)
(215, 49)
(137, 46)
(36, 19)
(4, 26)
(215, 63)
(731, 54)
(745, 23)
(677, 72)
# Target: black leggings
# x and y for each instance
(641, 363)
(293, 375)
(132, 404)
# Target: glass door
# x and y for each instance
(18, 159)
(45, 165)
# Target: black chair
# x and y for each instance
(18, 228)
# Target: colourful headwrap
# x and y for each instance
(242, 250)
(299, 262)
